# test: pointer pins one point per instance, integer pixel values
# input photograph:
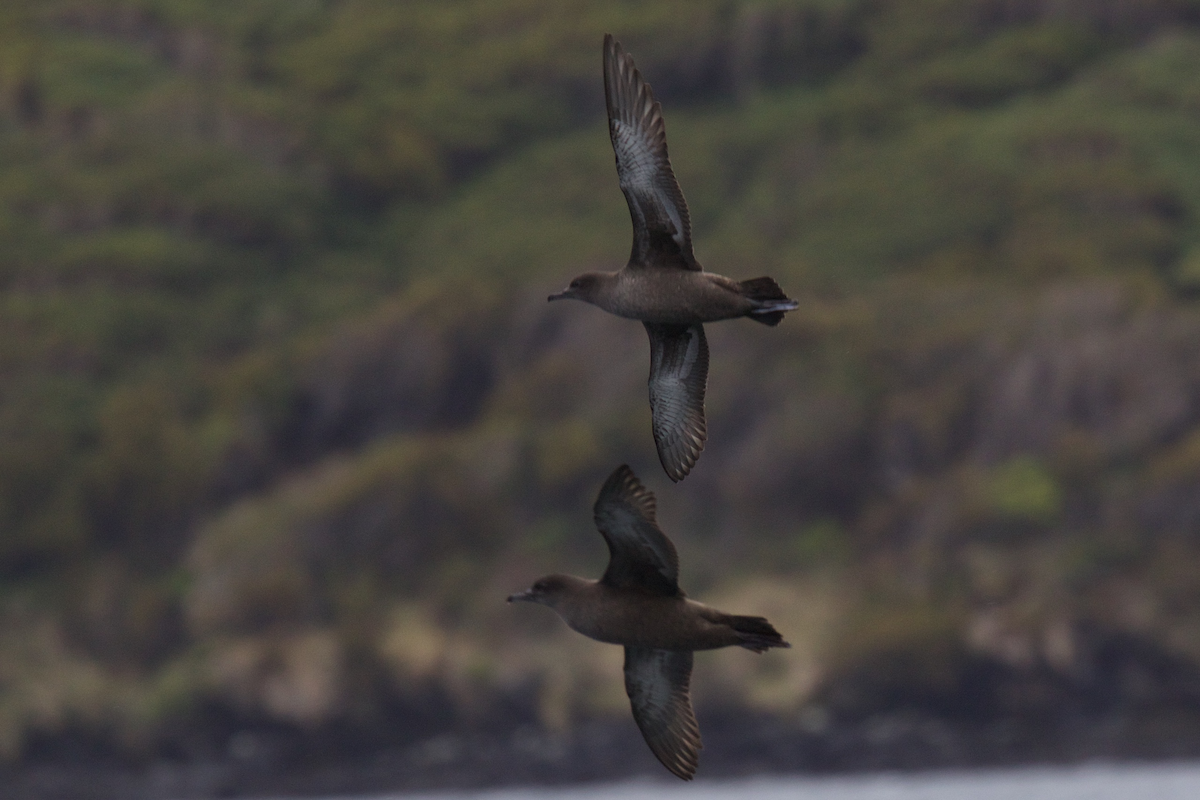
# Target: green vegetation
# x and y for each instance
(284, 415)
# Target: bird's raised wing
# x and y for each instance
(657, 684)
(662, 232)
(640, 555)
(678, 378)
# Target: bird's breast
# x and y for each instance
(673, 297)
(638, 620)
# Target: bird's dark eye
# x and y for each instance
(575, 284)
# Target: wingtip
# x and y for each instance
(624, 482)
(682, 763)
(624, 488)
(679, 465)
(612, 48)
(677, 474)
(621, 476)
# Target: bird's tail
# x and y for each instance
(770, 301)
(755, 633)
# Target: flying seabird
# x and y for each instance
(638, 603)
(663, 285)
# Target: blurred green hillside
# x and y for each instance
(284, 414)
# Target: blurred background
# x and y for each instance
(284, 414)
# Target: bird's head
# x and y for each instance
(548, 590)
(585, 288)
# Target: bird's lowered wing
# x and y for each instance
(662, 232)
(678, 378)
(657, 684)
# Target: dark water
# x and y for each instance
(1093, 782)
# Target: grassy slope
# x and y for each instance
(279, 381)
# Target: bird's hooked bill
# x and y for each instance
(563, 295)
(526, 595)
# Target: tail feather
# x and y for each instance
(770, 301)
(763, 288)
(755, 633)
(771, 318)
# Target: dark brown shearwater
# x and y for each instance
(663, 285)
(638, 603)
